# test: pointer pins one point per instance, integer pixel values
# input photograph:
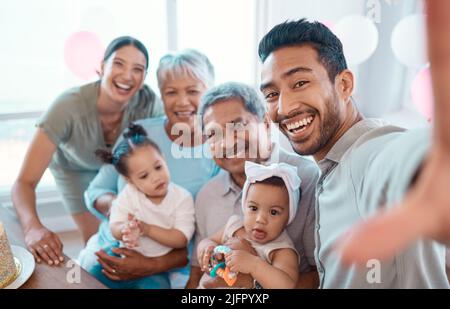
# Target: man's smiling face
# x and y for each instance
(248, 139)
(301, 98)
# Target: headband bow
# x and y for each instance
(257, 172)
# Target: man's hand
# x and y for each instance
(131, 264)
(425, 211)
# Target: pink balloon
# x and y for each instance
(83, 54)
(422, 93)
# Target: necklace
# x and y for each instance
(111, 129)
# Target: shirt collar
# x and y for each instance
(228, 184)
(349, 138)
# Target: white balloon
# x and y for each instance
(359, 37)
(408, 41)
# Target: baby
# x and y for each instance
(151, 214)
(269, 203)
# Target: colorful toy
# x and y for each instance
(218, 268)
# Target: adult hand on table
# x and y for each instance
(425, 210)
(44, 245)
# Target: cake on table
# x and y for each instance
(9, 265)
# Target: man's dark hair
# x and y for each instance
(302, 32)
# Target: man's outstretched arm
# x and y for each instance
(425, 210)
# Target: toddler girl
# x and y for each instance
(151, 214)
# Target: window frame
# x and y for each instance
(43, 194)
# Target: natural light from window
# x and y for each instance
(34, 59)
(225, 34)
(35, 70)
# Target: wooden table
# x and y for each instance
(51, 277)
(45, 276)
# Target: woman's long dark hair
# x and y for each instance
(122, 41)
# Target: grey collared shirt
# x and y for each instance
(370, 166)
(215, 203)
(221, 197)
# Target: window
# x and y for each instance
(225, 32)
(34, 69)
(15, 136)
